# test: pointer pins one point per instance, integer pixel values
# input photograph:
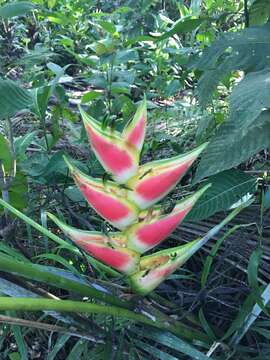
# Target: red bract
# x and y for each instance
(124, 206)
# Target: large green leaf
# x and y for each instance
(230, 147)
(13, 98)
(247, 50)
(249, 99)
(16, 8)
(227, 188)
(259, 12)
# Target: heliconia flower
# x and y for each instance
(134, 132)
(146, 234)
(156, 179)
(108, 199)
(110, 249)
(157, 267)
(117, 157)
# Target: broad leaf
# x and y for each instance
(230, 148)
(16, 8)
(247, 50)
(227, 188)
(13, 98)
(249, 99)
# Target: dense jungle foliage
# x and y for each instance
(203, 68)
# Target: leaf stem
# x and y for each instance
(29, 304)
(39, 273)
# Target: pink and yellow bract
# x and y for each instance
(130, 208)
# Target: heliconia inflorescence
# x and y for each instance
(129, 204)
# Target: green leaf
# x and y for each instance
(227, 188)
(206, 326)
(247, 50)
(158, 354)
(259, 12)
(181, 26)
(229, 147)
(51, 3)
(14, 356)
(60, 343)
(22, 143)
(107, 26)
(50, 276)
(18, 191)
(17, 331)
(5, 154)
(17, 8)
(266, 199)
(253, 266)
(249, 99)
(248, 316)
(13, 98)
(243, 314)
(60, 260)
(77, 350)
(171, 341)
(210, 258)
(90, 96)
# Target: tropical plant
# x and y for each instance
(127, 204)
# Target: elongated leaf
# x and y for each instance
(17, 331)
(229, 147)
(5, 155)
(13, 98)
(253, 267)
(77, 350)
(158, 354)
(42, 273)
(173, 342)
(210, 258)
(250, 316)
(61, 341)
(16, 8)
(247, 50)
(227, 188)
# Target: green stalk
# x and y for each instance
(56, 238)
(33, 272)
(29, 304)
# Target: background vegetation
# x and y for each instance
(204, 66)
